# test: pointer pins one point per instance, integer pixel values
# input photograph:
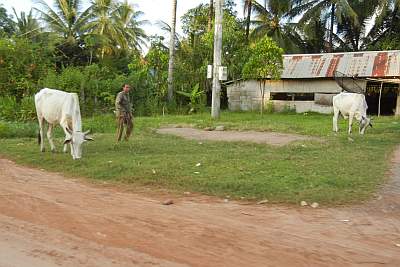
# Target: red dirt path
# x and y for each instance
(49, 220)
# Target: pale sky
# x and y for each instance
(154, 10)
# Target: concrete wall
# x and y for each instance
(301, 106)
(246, 95)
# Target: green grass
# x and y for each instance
(333, 172)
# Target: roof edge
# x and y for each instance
(340, 53)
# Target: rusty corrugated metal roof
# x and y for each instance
(373, 64)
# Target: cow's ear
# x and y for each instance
(67, 141)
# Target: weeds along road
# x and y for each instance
(49, 220)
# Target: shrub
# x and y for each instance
(18, 130)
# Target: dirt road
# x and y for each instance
(49, 220)
(271, 138)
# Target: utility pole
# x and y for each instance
(216, 88)
(172, 54)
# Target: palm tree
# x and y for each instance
(271, 21)
(338, 11)
(66, 19)
(354, 34)
(313, 35)
(167, 29)
(102, 24)
(387, 24)
(172, 53)
(26, 25)
(210, 15)
(247, 7)
(118, 25)
(129, 27)
(7, 25)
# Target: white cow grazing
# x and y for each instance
(351, 105)
(58, 107)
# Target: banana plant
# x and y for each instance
(195, 97)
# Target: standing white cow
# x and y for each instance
(351, 105)
(58, 107)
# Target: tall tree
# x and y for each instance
(313, 35)
(386, 30)
(272, 21)
(27, 25)
(210, 15)
(129, 26)
(353, 33)
(195, 23)
(118, 25)
(172, 54)
(338, 11)
(66, 18)
(6, 22)
(102, 24)
(247, 7)
(265, 62)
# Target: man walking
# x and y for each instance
(123, 110)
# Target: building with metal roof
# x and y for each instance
(307, 82)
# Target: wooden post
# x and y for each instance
(216, 89)
(379, 103)
(397, 113)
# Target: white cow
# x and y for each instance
(58, 107)
(351, 105)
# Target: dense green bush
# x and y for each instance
(10, 110)
(17, 130)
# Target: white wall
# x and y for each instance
(246, 95)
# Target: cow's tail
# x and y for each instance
(39, 139)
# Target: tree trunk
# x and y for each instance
(172, 54)
(210, 15)
(91, 57)
(248, 19)
(82, 92)
(265, 4)
(330, 48)
(216, 91)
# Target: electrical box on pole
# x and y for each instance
(209, 71)
(223, 73)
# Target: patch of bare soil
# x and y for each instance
(48, 220)
(271, 138)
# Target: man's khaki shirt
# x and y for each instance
(122, 103)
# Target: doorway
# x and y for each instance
(388, 98)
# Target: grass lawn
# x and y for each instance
(333, 172)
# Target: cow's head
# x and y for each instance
(364, 123)
(76, 139)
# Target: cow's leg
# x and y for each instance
(50, 137)
(41, 133)
(351, 115)
(64, 127)
(335, 120)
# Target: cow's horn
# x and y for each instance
(88, 138)
(87, 132)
